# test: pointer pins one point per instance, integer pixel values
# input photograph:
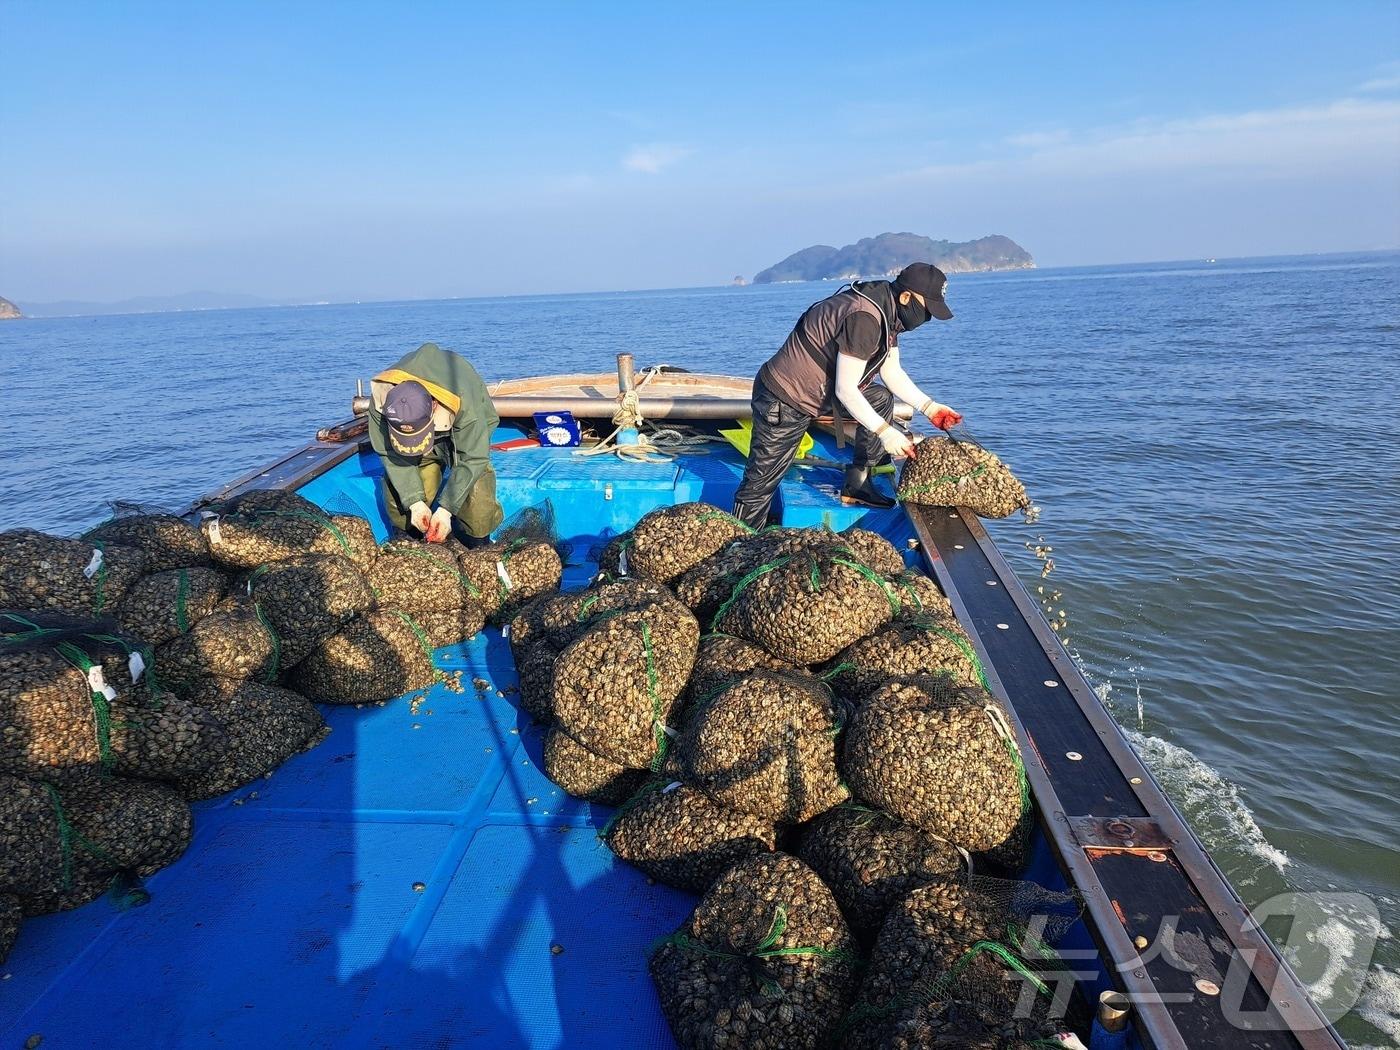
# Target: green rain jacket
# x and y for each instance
(463, 422)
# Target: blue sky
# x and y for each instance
(320, 151)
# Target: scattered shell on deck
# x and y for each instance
(948, 473)
(615, 686)
(164, 605)
(870, 860)
(70, 576)
(766, 745)
(586, 775)
(306, 599)
(930, 752)
(263, 726)
(906, 649)
(374, 657)
(765, 962)
(680, 836)
(805, 607)
(167, 540)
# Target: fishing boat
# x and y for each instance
(417, 881)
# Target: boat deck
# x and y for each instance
(413, 881)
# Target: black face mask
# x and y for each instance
(911, 314)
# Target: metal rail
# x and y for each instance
(1205, 975)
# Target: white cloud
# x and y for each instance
(1380, 84)
(1267, 143)
(651, 159)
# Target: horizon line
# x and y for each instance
(272, 305)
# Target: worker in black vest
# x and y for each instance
(829, 363)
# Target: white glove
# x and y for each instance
(419, 516)
(896, 441)
(441, 525)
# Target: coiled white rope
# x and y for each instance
(660, 445)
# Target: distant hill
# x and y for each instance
(148, 304)
(889, 253)
(8, 310)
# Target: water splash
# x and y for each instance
(1379, 1005)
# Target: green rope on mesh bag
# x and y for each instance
(651, 787)
(148, 659)
(1001, 954)
(462, 581)
(660, 730)
(271, 673)
(182, 597)
(422, 637)
(31, 630)
(764, 949)
(960, 642)
(939, 482)
(101, 706)
(69, 837)
(766, 567)
(711, 515)
(1008, 739)
(874, 577)
(302, 515)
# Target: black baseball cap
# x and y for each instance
(408, 409)
(929, 282)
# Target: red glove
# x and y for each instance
(946, 419)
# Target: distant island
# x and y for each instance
(148, 304)
(889, 253)
(8, 310)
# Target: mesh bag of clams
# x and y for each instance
(805, 607)
(870, 860)
(941, 756)
(678, 835)
(167, 540)
(952, 473)
(920, 598)
(263, 727)
(669, 540)
(614, 559)
(724, 658)
(418, 577)
(872, 549)
(76, 698)
(766, 745)
(79, 577)
(11, 915)
(236, 640)
(267, 525)
(906, 649)
(377, 656)
(166, 604)
(507, 575)
(967, 964)
(586, 775)
(106, 826)
(307, 598)
(31, 850)
(765, 961)
(451, 626)
(616, 685)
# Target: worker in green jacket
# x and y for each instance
(430, 414)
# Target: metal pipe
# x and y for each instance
(1114, 1008)
(522, 406)
(626, 374)
(359, 404)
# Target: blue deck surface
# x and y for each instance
(413, 881)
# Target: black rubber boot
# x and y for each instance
(860, 489)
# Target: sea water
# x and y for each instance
(1216, 448)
